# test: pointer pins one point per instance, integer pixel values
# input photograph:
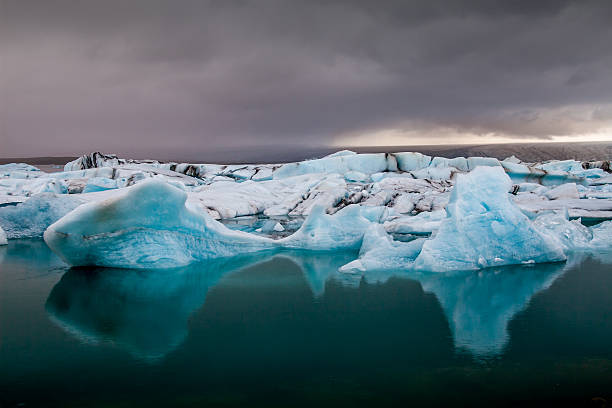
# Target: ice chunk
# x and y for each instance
(518, 169)
(532, 188)
(540, 204)
(322, 232)
(421, 224)
(602, 236)
(404, 204)
(92, 160)
(356, 176)
(379, 251)
(411, 161)
(342, 153)
(434, 173)
(460, 163)
(564, 191)
(568, 166)
(364, 163)
(474, 162)
(32, 217)
(7, 169)
(3, 238)
(483, 228)
(570, 235)
(511, 159)
(99, 184)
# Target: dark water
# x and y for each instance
(288, 330)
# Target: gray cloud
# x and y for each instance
(147, 76)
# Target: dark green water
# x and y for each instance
(288, 330)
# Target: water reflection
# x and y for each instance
(144, 312)
(479, 305)
(147, 312)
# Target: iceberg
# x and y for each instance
(151, 225)
(483, 228)
(32, 217)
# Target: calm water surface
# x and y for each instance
(286, 329)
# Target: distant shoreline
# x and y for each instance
(528, 152)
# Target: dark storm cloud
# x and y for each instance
(148, 75)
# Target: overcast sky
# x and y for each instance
(148, 76)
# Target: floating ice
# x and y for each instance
(564, 191)
(99, 184)
(404, 184)
(483, 228)
(150, 226)
(379, 251)
(31, 218)
(602, 236)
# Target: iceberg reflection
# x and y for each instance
(146, 311)
(143, 311)
(479, 304)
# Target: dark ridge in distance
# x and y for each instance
(527, 152)
(37, 160)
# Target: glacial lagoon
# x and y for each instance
(286, 328)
